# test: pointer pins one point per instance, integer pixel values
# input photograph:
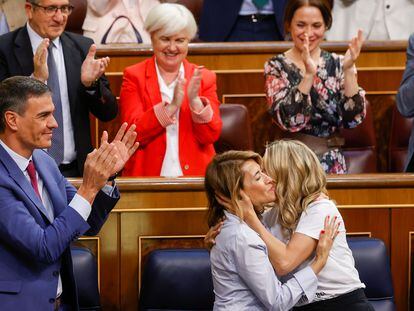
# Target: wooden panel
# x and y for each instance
(252, 55)
(156, 224)
(402, 222)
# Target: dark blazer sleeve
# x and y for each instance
(218, 18)
(100, 100)
(405, 96)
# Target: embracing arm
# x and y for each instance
(253, 266)
(284, 258)
(405, 96)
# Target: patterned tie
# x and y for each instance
(260, 3)
(31, 170)
(56, 150)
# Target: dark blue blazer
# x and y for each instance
(16, 59)
(219, 16)
(33, 249)
(405, 100)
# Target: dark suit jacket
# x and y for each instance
(405, 100)
(219, 16)
(16, 58)
(32, 248)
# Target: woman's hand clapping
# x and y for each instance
(354, 49)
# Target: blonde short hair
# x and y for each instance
(170, 19)
(299, 179)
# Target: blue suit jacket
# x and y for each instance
(405, 99)
(34, 250)
(219, 16)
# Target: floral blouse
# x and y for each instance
(323, 111)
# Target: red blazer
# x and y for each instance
(139, 93)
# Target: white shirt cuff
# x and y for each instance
(82, 206)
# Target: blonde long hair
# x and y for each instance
(299, 177)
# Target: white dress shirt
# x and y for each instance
(4, 28)
(243, 276)
(171, 166)
(69, 153)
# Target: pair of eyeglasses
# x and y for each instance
(52, 10)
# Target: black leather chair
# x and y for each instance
(236, 133)
(177, 279)
(371, 261)
(86, 277)
(180, 279)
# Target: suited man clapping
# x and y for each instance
(40, 211)
(66, 61)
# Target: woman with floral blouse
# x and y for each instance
(312, 93)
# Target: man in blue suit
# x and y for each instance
(40, 211)
(405, 100)
(242, 20)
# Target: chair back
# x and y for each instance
(75, 20)
(360, 148)
(371, 261)
(236, 133)
(86, 276)
(180, 279)
(177, 279)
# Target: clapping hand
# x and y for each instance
(310, 65)
(92, 69)
(178, 97)
(107, 160)
(125, 145)
(354, 49)
(194, 88)
(41, 71)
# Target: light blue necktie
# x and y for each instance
(56, 150)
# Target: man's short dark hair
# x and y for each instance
(14, 94)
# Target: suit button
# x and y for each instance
(55, 273)
(52, 300)
(186, 167)
(387, 6)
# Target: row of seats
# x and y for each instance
(180, 279)
(360, 148)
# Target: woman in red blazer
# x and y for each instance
(173, 103)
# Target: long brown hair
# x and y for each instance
(225, 177)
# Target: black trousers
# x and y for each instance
(353, 301)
